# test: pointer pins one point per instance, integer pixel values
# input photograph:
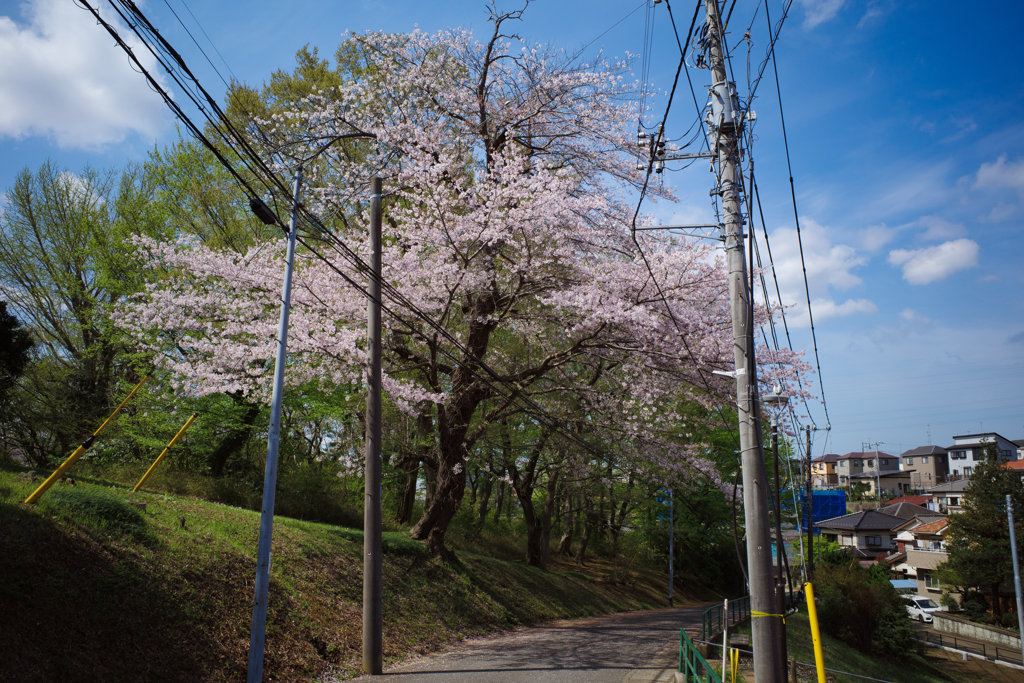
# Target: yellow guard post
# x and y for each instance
(52, 479)
(165, 450)
(812, 614)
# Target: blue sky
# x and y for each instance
(905, 133)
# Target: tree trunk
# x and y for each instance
(549, 508)
(406, 502)
(485, 498)
(235, 439)
(568, 527)
(592, 520)
(501, 501)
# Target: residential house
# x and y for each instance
(1019, 443)
(966, 451)
(891, 483)
(867, 534)
(823, 471)
(923, 541)
(927, 466)
(949, 497)
(860, 462)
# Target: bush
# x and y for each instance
(974, 606)
(861, 608)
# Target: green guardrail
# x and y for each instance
(692, 665)
(714, 618)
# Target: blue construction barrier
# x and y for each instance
(824, 505)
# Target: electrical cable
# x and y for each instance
(796, 218)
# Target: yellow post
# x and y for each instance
(165, 450)
(52, 479)
(812, 614)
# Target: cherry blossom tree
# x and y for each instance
(509, 173)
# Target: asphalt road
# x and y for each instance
(632, 647)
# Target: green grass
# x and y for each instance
(93, 588)
(911, 667)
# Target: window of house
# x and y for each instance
(956, 501)
(847, 539)
(938, 459)
(909, 461)
(856, 463)
(842, 463)
(932, 581)
(843, 480)
(924, 461)
(871, 463)
(967, 471)
(874, 540)
(974, 455)
(886, 462)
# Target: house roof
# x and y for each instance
(924, 450)
(1014, 465)
(931, 527)
(904, 510)
(913, 500)
(980, 436)
(828, 457)
(871, 474)
(863, 520)
(867, 454)
(957, 486)
(1019, 443)
(918, 520)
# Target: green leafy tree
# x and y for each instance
(63, 237)
(978, 539)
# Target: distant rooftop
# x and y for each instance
(924, 450)
(863, 520)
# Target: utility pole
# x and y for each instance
(809, 506)
(725, 129)
(780, 590)
(257, 636)
(373, 618)
(671, 547)
(1016, 567)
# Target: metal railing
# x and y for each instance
(692, 664)
(714, 618)
(990, 651)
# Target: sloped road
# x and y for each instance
(632, 647)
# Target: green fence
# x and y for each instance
(692, 665)
(714, 619)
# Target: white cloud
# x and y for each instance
(874, 237)
(829, 267)
(940, 228)
(1000, 174)
(922, 266)
(819, 11)
(827, 308)
(64, 77)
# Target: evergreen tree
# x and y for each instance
(979, 538)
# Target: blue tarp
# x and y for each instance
(824, 505)
(904, 585)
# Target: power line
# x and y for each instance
(796, 218)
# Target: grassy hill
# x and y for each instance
(94, 588)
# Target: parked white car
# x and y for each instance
(920, 607)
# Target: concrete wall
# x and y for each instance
(949, 623)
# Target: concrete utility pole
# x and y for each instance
(780, 587)
(809, 507)
(373, 617)
(726, 128)
(257, 636)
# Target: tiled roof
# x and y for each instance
(913, 500)
(863, 520)
(1014, 465)
(828, 457)
(931, 527)
(867, 454)
(904, 510)
(924, 450)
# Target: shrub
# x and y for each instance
(861, 608)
